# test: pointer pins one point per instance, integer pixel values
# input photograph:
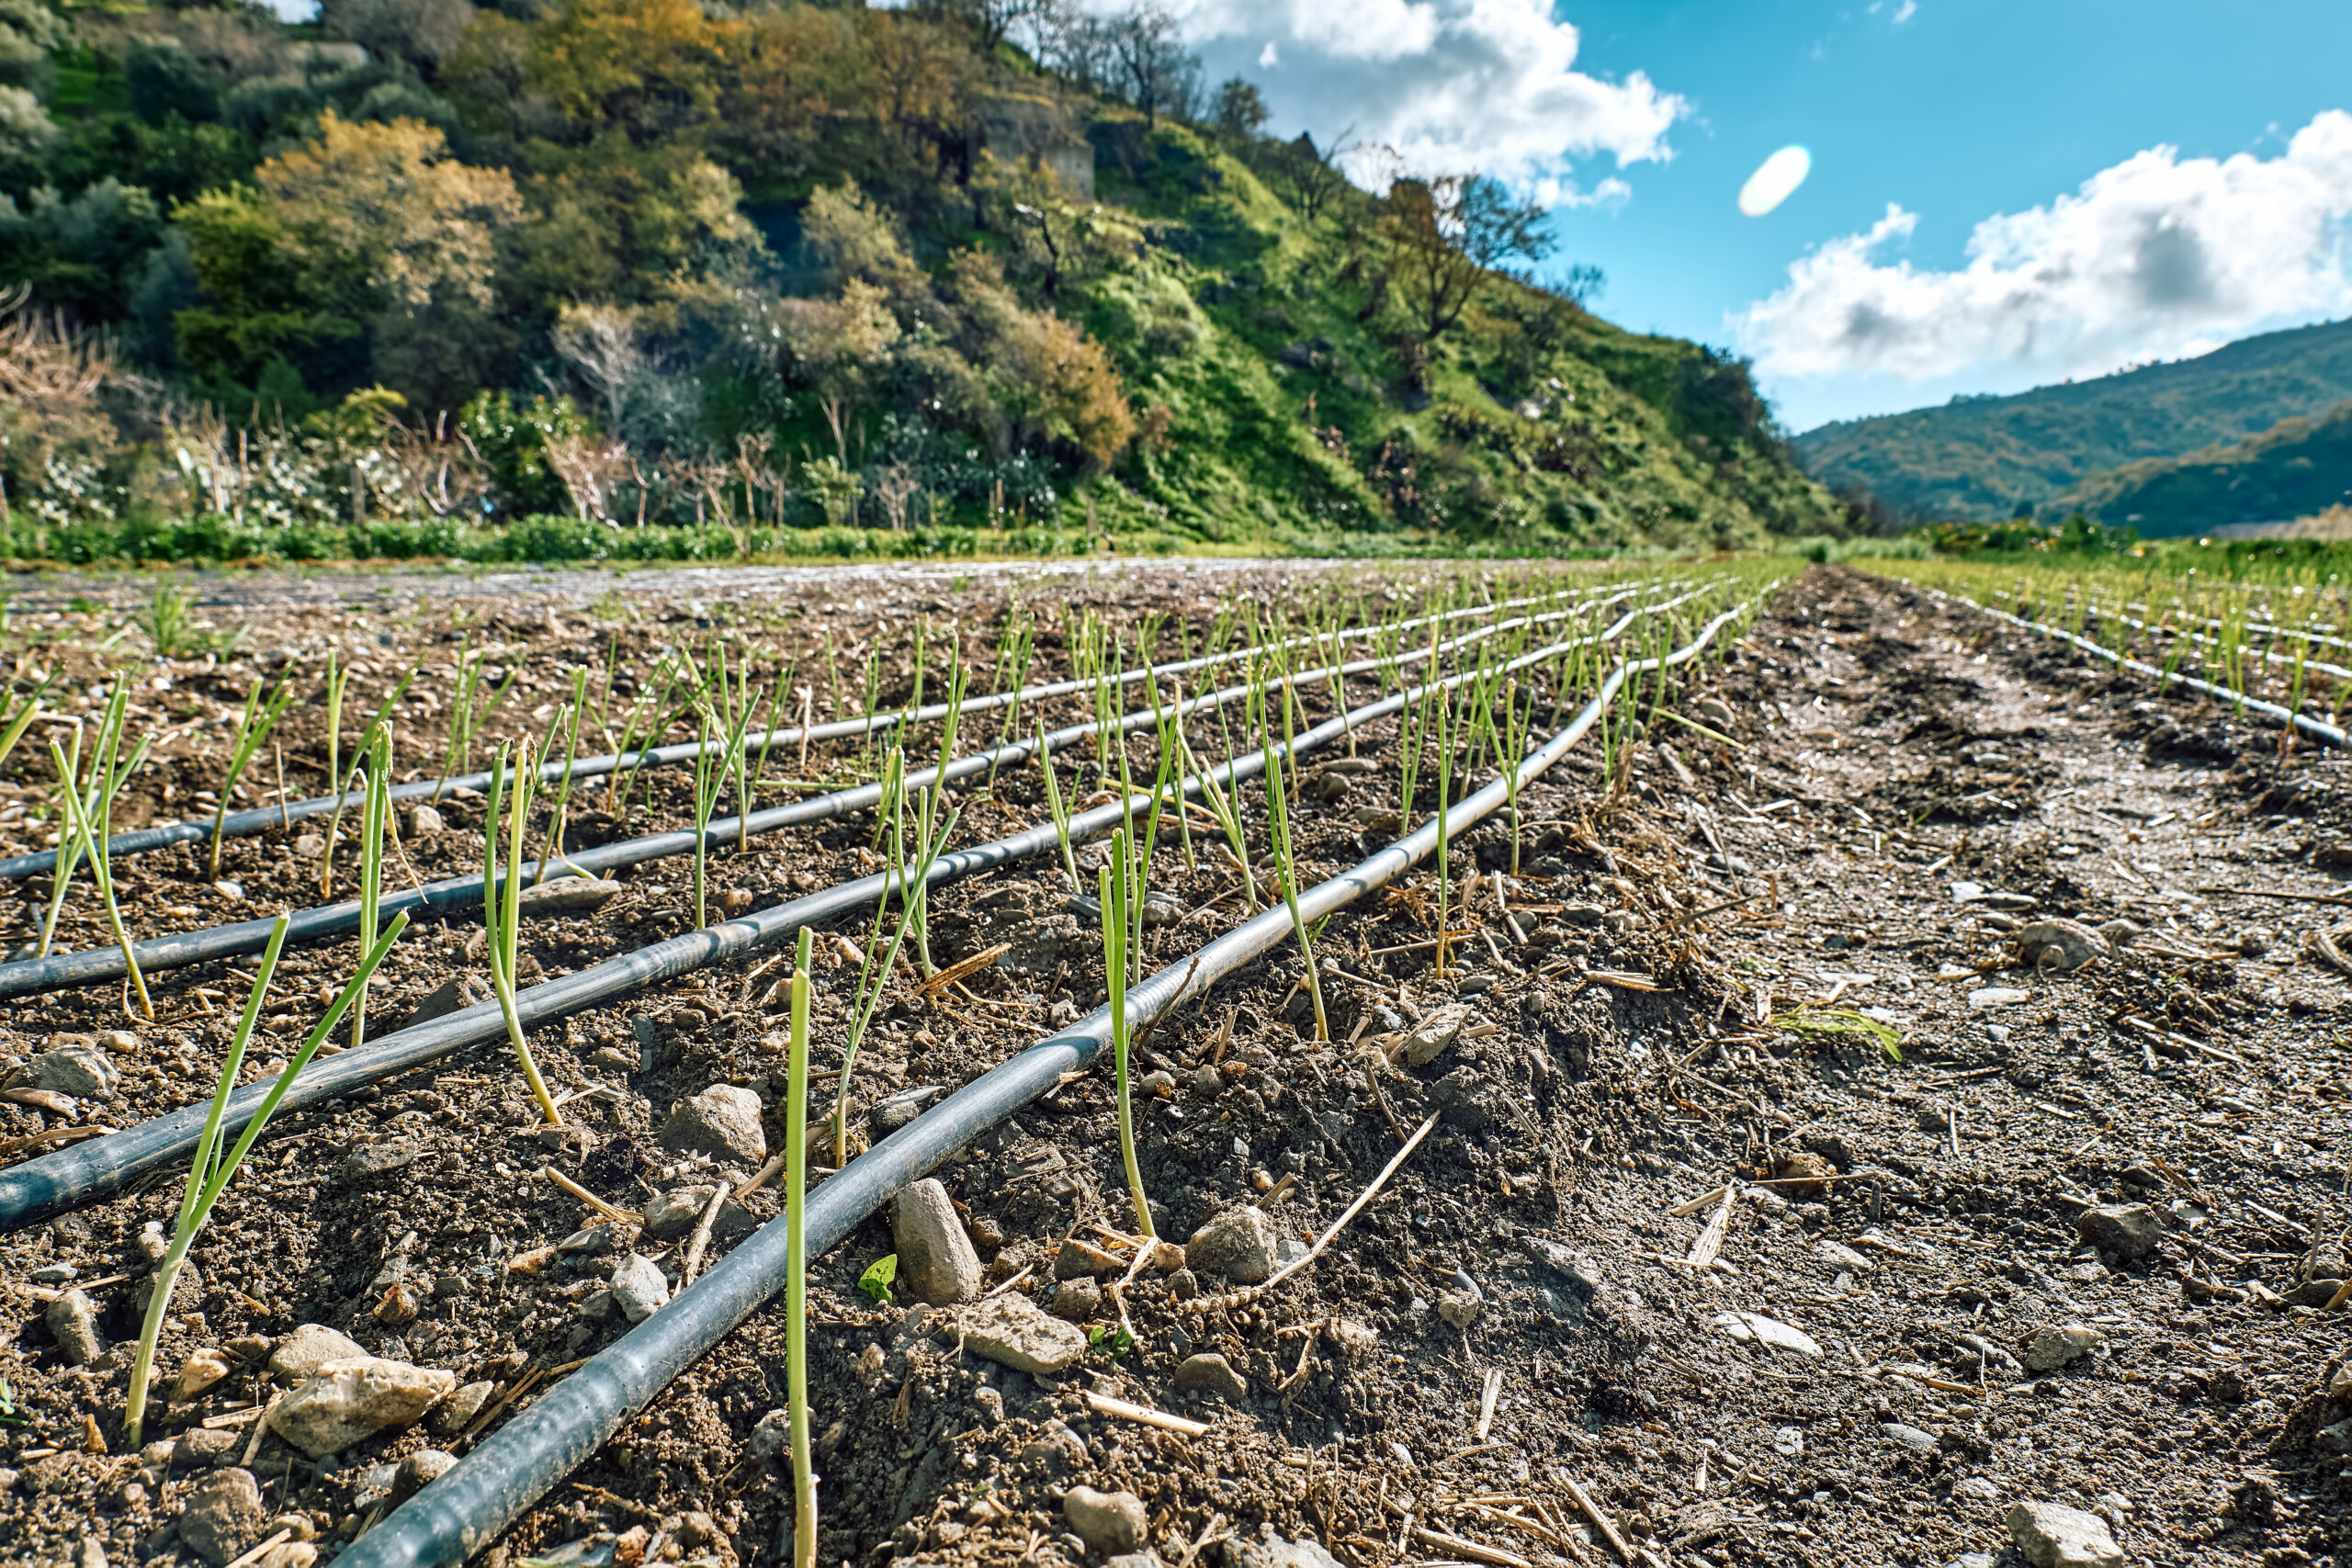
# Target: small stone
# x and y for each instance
(421, 1469)
(1714, 711)
(1237, 1244)
(1769, 1330)
(80, 1069)
(936, 1261)
(566, 895)
(616, 1059)
(54, 1274)
(369, 1161)
(73, 1321)
(1077, 1258)
(2130, 1232)
(597, 1238)
(2335, 1439)
(288, 1554)
(1438, 1029)
(1184, 1285)
(2060, 944)
(676, 1212)
(1986, 997)
(1909, 1436)
(222, 1516)
(1583, 914)
(639, 1287)
(1459, 1308)
(1210, 1373)
(456, 1413)
(309, 846)
(2255, 941)
(1271, 1551)
(1077, 1300)
(92, 1553)
(304, 1352)
(2118, 931)
(234, 892)
(2049, 1536)
(1109, 1522)
(198, 1373)
(889, 1115)
(2054, 1347)
(723, 1120)
(453, 995)
(356, 1398)
(1016, 1331)
(422, 819)
(204, 1446)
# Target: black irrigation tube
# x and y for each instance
(2326, 734)
(94, 1170)
(243, 824)
(90, 966)
(467, 1508)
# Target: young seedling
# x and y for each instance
(796, 1264)
(874, 973)
(1513, 750)
(1054, 804)
(376, 725)
(253, 726)
(1286, 873)
(375, 821)
(501, 900)
(710, 771)
(89, 821)
(553, 850)
(1115, 890)
(211, 1171)
(1449, 734)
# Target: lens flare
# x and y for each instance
(1775, 180)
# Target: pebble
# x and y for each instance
(2054, 1347)
(1459, 1308)
(1714, 711)
(1771, 1331)
(1909, 1436)
(421, 1469)
(1013, 1330)
(371, 1160)
(356, 1398)
(676, 1212)
(423, 819)
(723, 1120)
(73, 1321)
(205, 1446)
(1077, 1300)
(1271, 1551)
(222, 1516)
(566, 895)
(456, 1413)
(304, 1352)
(80, 1069)
(54, 1274)
(616, 1059)
(2050, 1536)
(1988, 996)
(1239, 1244)
(936, 1261)
(234, 892)
(309, 846)
(597, 1238)
(1109, 1522)
(1077, 1258)
(2061, 945)
(2119, 931)
(1438, 1029)
(889, 1115)
(1212, 1373)
(198, 1373)
(639, 1287)
(453, 995)
(2130, 1232)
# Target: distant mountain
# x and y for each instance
(2296, 469)
(1982, 457)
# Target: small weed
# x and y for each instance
(879, 1276)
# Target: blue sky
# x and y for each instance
(1925, 118)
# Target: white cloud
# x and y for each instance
(1450, 85)
(2156, 257)
(1268, 57)
(1908, 9)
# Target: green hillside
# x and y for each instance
(2296, 469)
(877, 276)
(1982, 458)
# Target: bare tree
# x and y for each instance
(587, 470)
(602, 342)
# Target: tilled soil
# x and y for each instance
(1703, 1273)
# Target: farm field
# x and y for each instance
(1787, 1063)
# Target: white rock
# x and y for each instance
(307, 1350)
(356, 1398)
(80, 1069)
(2049, 1536)
(423, 819)
(936, 1261)
(639, 1288)
(1986, 998)
(1237, 1244)
(309, 846)
(1439, 1028)
(566, 895)
(457, 1412)
(1768, 1330)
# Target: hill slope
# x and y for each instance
(2297, 468)
(1983, 458)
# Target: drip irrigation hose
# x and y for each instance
(2268, 655)
(243, 824)
(91, 965)
(2326, 734)
(94, 1170)
(470, 1506)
